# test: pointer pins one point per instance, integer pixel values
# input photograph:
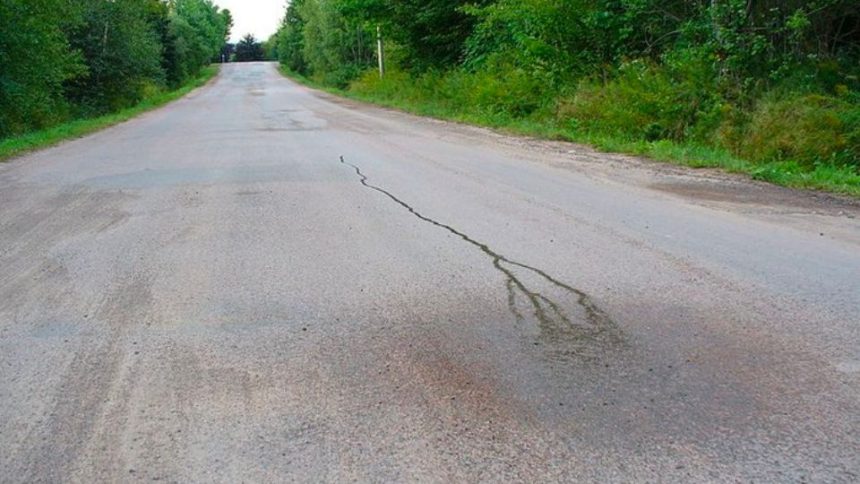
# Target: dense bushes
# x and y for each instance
(652, 104)
(459, 92)
(810, 129)
(674, 101)
(772, 82)
(61, 59)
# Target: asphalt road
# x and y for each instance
(262, 283)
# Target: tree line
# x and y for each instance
(765, 79)
(65, 59)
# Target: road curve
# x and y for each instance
(264, 283)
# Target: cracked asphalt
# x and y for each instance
(264, 283)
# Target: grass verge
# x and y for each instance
(17, 145)
(829, 178)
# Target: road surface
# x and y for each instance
(263, 283)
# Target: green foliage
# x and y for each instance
(485, 93)
(527, 34)
(290, 39)
(761, 41)
(199, 30)
(73, 58)
(249, 50)
(334, 40)
(648, 101)
(504, 90)
(31, 86)
(122, 53)
(335, 48)
(270, 48)
(808, 129)
(432, 32)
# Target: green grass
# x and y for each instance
(830, 178)
(17, 145)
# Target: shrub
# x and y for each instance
(645, 101)
(505, 91)
(808, 129)
(396, 84)
(499, 89)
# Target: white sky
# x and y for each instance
(258, 17)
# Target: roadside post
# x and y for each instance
(380, 51)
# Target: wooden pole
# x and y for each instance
(380, 52)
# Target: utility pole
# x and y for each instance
(380, 52)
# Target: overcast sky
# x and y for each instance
(258, 17)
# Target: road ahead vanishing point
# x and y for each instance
(261, 283)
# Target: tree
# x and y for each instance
(270, 48)
(433, 32)
(290, 39)
(227, 17)
(326, 38)
(35, 62)
(197, 33)
(122, 51)
(66, 58)
(201, 30)
(249, 49)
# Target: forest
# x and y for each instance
(62, 60)
(767, 87)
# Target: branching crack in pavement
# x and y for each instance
(543, 307)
